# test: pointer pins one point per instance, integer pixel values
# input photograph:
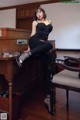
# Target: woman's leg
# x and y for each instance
(50, 71)
(44, 48)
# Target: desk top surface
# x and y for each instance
(9, 56)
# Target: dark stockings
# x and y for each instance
(42, 49)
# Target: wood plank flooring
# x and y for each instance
(34, 108)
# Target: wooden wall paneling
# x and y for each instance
(24, 17)
(24, 23)
(22, 13)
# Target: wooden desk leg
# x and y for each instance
(10, 100)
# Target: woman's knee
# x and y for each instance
(50, 45)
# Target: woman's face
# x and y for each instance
(39, 14)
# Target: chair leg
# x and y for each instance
(67, 96)
(79, 75)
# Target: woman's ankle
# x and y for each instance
(48, 96)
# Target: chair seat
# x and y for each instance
(67, 78)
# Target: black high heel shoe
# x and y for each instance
(21, 58)
(18, 61)
(47, 103)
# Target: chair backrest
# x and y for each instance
(67, 79)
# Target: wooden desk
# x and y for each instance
(11, 41)
(8, 69)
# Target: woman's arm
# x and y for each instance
(34, 23)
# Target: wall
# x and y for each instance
(66, 24)
(8, 18)
(61, 54)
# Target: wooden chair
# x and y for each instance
(68, 79)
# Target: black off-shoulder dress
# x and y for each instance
(41, 36)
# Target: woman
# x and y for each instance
(38, 44)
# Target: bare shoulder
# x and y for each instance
(48, 21)
(34, 22)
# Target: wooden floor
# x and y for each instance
(34, 108)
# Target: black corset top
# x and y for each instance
(43, 30)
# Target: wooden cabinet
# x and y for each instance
(24, 23)
(25, 12)
(24, 17)
(19, 81)
(10, 37)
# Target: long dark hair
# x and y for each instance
(44, 14)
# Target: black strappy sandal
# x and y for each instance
(18, 61)
(47, 103)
